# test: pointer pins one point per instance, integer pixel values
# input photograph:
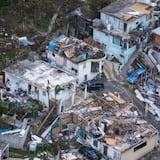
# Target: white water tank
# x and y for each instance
(109, 27)
(33, 147)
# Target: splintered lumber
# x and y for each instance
(56, 131)
(124, 109)
(66, 118)
(117, 99)
(92, 109)
(104, 101)
(110, 141)
(43, 122)
(139, 95)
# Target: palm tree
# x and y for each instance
(58, 88)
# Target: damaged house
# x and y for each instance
(40, 81)
(112, 126)
(15, 136)
(154, 51)
(76, 57)
(124, 27)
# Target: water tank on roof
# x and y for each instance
(84, 55)
(109, 27)
(52, 46)
(32, 146)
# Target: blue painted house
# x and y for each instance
(124, 28)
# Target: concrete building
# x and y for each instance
(112, 126)
(41, 81)
(154, 51)
(15, 138)
(124, 27)
(4, 151)
(76, 57)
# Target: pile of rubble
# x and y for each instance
(150, 94)
(110, 125)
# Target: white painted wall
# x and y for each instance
(59, 59)
(82, 68)
(50, 56)
(129, 154)
(15, 83)
(43, 97)
(71, 65)
(43, 94)
(152, 142)
(111, 153)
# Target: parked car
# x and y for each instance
(134, 76)
(89, 152)
(94, 85)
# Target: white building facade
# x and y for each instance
(42, 82)
(76, 57)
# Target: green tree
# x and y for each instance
(3, 108)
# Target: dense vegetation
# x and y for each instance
(31, 15)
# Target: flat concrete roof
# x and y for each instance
(40, 73)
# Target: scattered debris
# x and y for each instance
(117, 127)
(25, 41)
(70, 54)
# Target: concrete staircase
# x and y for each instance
(111, 70)
(129, 63)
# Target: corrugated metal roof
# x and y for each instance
(126, 9)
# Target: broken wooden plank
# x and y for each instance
(124, 109)
(116, 98)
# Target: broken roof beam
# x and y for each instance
(104, 101)
(116, 98)
(124, 109)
